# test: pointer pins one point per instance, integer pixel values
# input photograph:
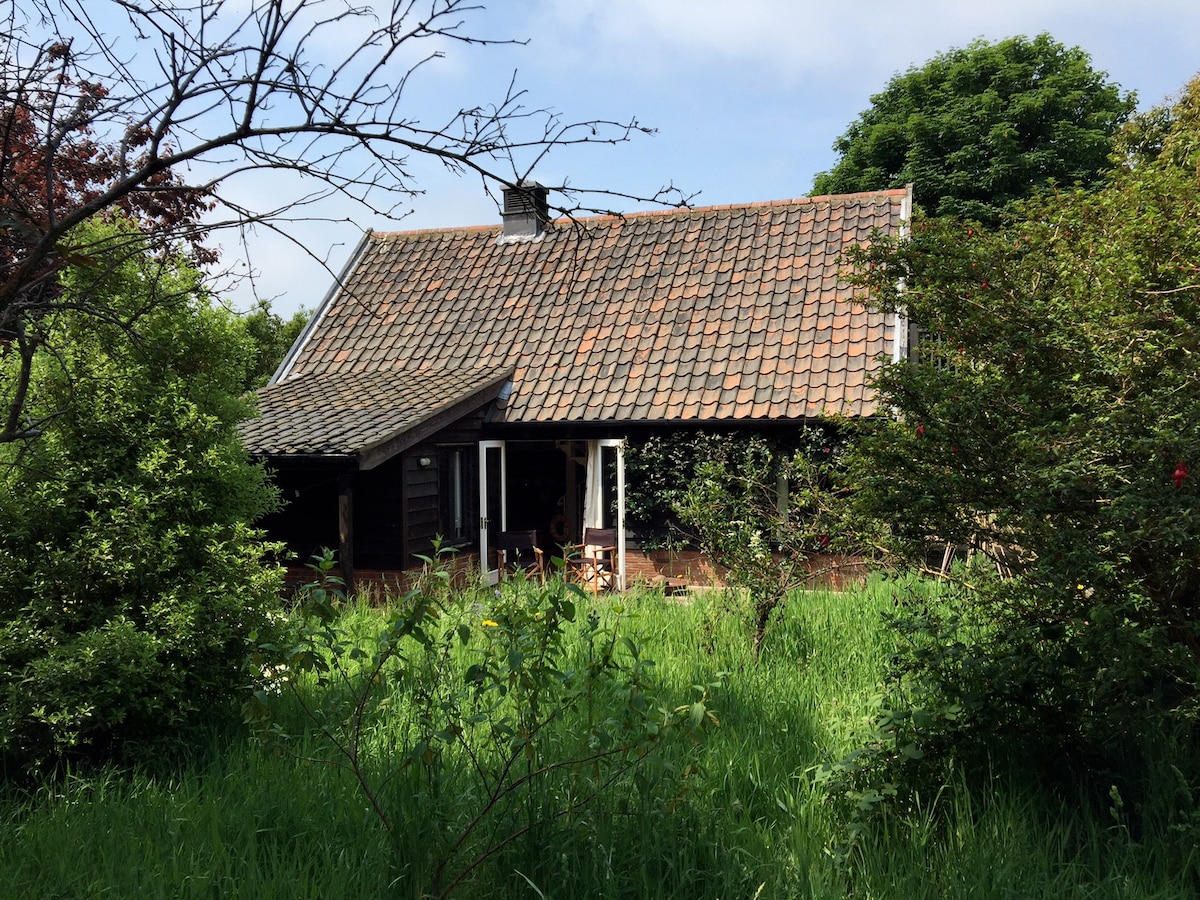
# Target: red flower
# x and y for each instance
(1179, 476)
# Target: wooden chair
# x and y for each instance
(518, 551)
(596, 564)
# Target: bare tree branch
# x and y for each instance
(156, 108)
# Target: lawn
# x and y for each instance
(665, 800)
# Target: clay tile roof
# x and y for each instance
(364, 414)
(716, 313)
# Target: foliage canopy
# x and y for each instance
(272, 336)
(130, 581)
(1048, 421)
(978, 127)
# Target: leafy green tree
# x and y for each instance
(1169, 131)
(1050, 424)
(978, 127)
(130, 579)
(273, 336)
(757, 507)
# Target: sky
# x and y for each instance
(746, 98)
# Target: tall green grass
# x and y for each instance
(732, 814)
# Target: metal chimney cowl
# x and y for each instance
(526, 210)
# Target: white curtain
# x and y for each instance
(593, 494)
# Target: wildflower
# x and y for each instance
(488, 623)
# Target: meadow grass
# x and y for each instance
(733, 812)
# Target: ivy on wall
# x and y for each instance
(662, 467)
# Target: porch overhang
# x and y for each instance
(361, 421)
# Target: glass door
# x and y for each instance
(617, 450)
(604, 496)
(492, 511)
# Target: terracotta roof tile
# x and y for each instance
(715, 313)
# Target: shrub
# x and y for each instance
(756, 507)
(130, 581)
(1047, 423)
(528, 711)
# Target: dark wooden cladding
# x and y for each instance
(424, 516)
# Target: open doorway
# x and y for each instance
(544, 486)
(541, 481)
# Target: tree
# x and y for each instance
(1165, 133)
(756, 505)
(273, 336)
(130, 583)
(44, 176)
(978, 127)
(1049, 423)
(154, 107)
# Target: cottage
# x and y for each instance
(469, 381)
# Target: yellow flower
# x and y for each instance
(488, 623)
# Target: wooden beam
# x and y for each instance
(370, 457)
(346, 528)
(571, 497)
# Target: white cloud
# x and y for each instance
(858, 42)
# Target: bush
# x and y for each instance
(662, 468)
(130, 581)
(1048, 424)
(756, 506)
(475, 724)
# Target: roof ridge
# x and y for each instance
(898, 193)
(755, 204)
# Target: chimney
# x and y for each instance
(525, 210)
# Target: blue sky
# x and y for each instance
(746, 97)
